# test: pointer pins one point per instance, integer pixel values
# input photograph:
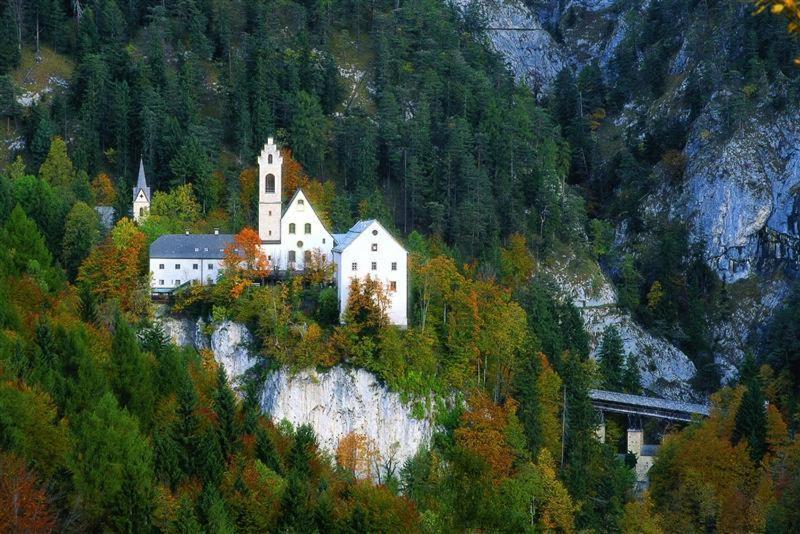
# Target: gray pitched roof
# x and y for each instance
(192, 246)
(344, 240)
(649, 402)
(141, 183)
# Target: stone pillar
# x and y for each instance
(635, 441)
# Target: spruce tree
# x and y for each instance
(9, 41)
(130, 373)
(751, 420)
(612, 359)
(224, 405)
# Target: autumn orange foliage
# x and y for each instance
(23, 502)
(114, 269)
(358, 454)
(483, 431)
(244, 256)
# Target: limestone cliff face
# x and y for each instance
(340, 401)
(335, 402)
(742, 193)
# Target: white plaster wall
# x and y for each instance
(185, 273)
(299, 213)
(269, 226)
(360, 252)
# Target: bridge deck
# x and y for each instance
(610, 401)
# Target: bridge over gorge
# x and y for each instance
(635, 408)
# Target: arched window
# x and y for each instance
(307, 228)
(269, 158)
(291, 228)
(292, 258)
(307, 257)
(141, 212)
(269, 184)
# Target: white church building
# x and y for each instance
(289, 236)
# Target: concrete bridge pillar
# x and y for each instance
(635, 441)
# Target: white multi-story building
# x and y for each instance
(369, 250)
(176, 259)
(289, 237)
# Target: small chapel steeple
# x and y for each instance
(141, 196)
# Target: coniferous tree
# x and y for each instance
(131, 375)
(224, 405)
(751, 420)
(9, 41)
(612, 359)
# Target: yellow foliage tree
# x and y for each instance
(358, 454)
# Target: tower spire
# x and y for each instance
(141, 195)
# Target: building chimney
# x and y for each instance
(216, 231)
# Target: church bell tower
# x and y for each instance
(269, 193)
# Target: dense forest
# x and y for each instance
(392, 110)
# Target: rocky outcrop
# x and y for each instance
(530, 51)
(742, 193)
(340, 401)
(666, 371)
(232, 345)
(335, 402)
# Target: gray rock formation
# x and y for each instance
(532, 54)
(340, 401)
(335, 403)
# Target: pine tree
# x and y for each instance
(131, 377)
(9, 41)
(612, 359)
(81, 234)
(751, 420)
(225, 408)
(266, 451)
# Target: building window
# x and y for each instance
(205, 249)
(141, 212)
(177, 283)
(270, 213)
(269, 158)
(292, 256)
(355, 266)
(374, 232)
(307, 228)
(291, 228)
(160, 265)
(269, 184)
(374, 265)
(374, 247)
(307, 256)
(394, 265)
(197, 249)
(195, 266)
(299, 244)
(210, 266)
(323, 240)
(161, 283)
(177, 265)
(392, 286)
